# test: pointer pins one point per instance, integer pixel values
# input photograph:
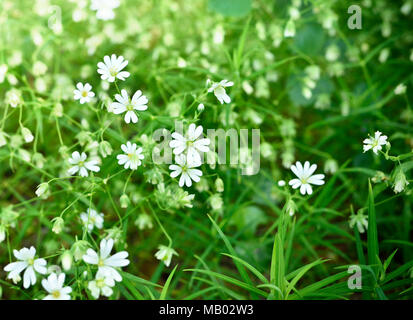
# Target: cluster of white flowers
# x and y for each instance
(188, 150)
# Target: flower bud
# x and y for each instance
(124, 201)
(144, 221)
(105, 149)
(219, 185)
(290, 207)
(58, 225)
(42, 189)
(79, 249)
(2, 233)
(3, 140)
(67, 260)
(201, 107)
(400, 181)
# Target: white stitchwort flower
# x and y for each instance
(91, 218)
(26, 262)
(104, 8)
(80, 164)
(375, 143)
(165, 254)
(219, 90)
(54, 286)
(305, 177)
(132, 157)
(186, 170)
(190, 143)
(125, 104)
(83, 93)
(111, 68)
(102, 285)
(359, 220)
(105, 262)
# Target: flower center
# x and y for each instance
(101, 263)
(84, 94)
(56, 294)
(30, 262)
(81, 163)
(100, 283)
(303, 180)
(129, 107)
(113, 72)
(189, 143)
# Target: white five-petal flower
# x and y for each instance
(54, 286)
(375, 142)
(102, 285)
(191, 143)
(219, 90)
(80, 164)
(91, 218)
(26, 262)
(186, 170)
(125, 104)
(165, 254)
(83, 93)
(104, 8)
(305, 177)
(132, 157)
(111, 68)
(105, 262)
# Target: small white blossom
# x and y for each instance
(144, 221)
(125, 104)
(165, 254)
(375, 143)
(91, 218)
(102, 285)
(219, 90)
(26, 262)
(54, 286)
(191, 143)
(14, 98)
(359, 220)
(111, 68)
(80, 164)
(281, 183)
(186, 170)
(305, 177)
(132, 157)
(83, 93)
(104, 8)
(27, 135)
(400, 89)
(105, 262)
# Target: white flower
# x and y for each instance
(400, 89)
(80, 164)
(104, 8)
(91, 218)
(83, 93)
(27, 135)
(105, 262)
(219, 90)
(26, 262)
(375, 143)
(125, 104)
(54, 286)
(185, 170)
(112, 68)
(144, 221)
(359, 220)
(191, 143)
(305, 177)
(14, 98)
(165, 254)
(132, 157)
(281, 183)
(102, 285)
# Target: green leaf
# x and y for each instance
(277, 272)
(372, 237)
(167, 283)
